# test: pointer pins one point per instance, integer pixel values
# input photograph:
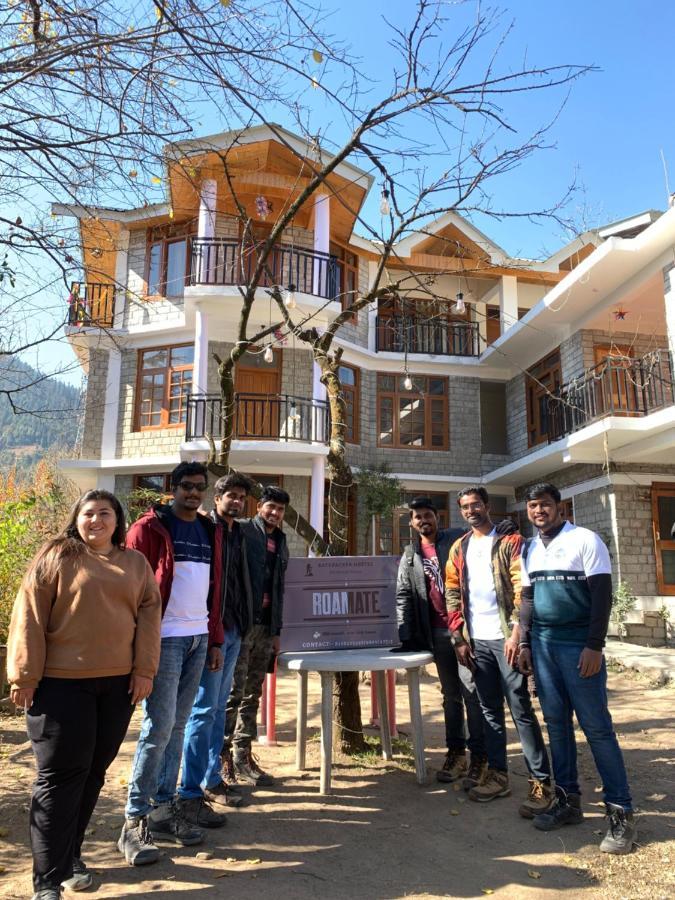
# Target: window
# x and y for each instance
(164, 381)
(351, 390)
(345, 280)
(541, 381)
(392, 535)
(251, 505)
(168, 259)
(412, 418)
(159, 483)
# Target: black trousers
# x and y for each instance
(76, 726)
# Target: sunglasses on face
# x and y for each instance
(188, 486)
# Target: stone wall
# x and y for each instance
(356, 331)
(516, 417)
(137, 310)
(94, 406)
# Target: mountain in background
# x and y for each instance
(48, 417)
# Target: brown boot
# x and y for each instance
(539, 798)
(227, 772)
(493, 784)
(475, 773)
(454, 766)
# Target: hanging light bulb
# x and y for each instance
(268, 355)
(289, 300)
(384, 203)
(407, 382)
(294, 414)
(459, 306)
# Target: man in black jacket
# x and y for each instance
(423, 625)
(267, 556)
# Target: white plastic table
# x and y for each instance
(378, 661)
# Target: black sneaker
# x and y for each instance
(622, 831)
(81, 878)
(566, 810)
(136, 844)
(247, 769)
(227, 772)
(475, 772)
(198, 811)
(166, 822)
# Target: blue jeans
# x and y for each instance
(206, 725)
(165, 712)
(458, 690)
(563, 691)
(496, 680)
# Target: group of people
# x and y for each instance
(184, 611)
(496, 610)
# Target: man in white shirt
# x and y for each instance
(483, 592)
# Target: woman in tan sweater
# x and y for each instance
(83, 648)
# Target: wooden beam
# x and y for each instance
(472, 267)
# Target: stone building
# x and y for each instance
(519, 370)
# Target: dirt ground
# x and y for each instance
(380, 835)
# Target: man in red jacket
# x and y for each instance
(178, 543)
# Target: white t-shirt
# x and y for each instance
(186, 612)
(482, 619)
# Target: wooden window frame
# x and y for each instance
(162, 236)
(354, 391)
(167, 383)
(658, 489)
(533, 394)
(397, 548)
(346, 267)
(400, 393)
(166, 489)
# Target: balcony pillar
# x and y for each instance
(201, 353)
(316, 498)
(112, 403)
(508, 302)
(206, 223)
(321, 243)
(669, 301)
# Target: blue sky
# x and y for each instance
(609, 135)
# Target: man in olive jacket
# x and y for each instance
(267, 557)
(423, 625)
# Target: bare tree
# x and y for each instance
(437, 137)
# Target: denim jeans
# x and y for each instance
(206, 725)
(165, 712)
(495, 681)
(459, 691)
(563, 691)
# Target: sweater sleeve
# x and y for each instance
(600, 587)
(526, 610)
(515, 567)
(27, 642)
(148, 624)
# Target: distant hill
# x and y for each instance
(48, 418)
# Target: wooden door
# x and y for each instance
(663, 520)
(258, 402)
(617, 393)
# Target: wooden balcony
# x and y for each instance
(259, 417)
(91, 304)
(222, 262)
(435, 336)
(618, 386)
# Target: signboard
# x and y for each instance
(340, 602)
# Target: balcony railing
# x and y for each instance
(221, 262)
(91, 304)
(412, 334)
(619, 386)
(259, 417)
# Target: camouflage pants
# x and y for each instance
(241, 727)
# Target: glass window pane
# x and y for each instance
(155, 359)
(175, 268)
(666, 507)
(411, 422)
(150, 482)
(182, 356)
(386, 383)
(347, 376)
(668, 562)
(386, 421)
(436, 385)
(155, 270)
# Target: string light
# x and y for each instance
(289, 300)
(268, 355)
(384, 203)
(407, 381)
